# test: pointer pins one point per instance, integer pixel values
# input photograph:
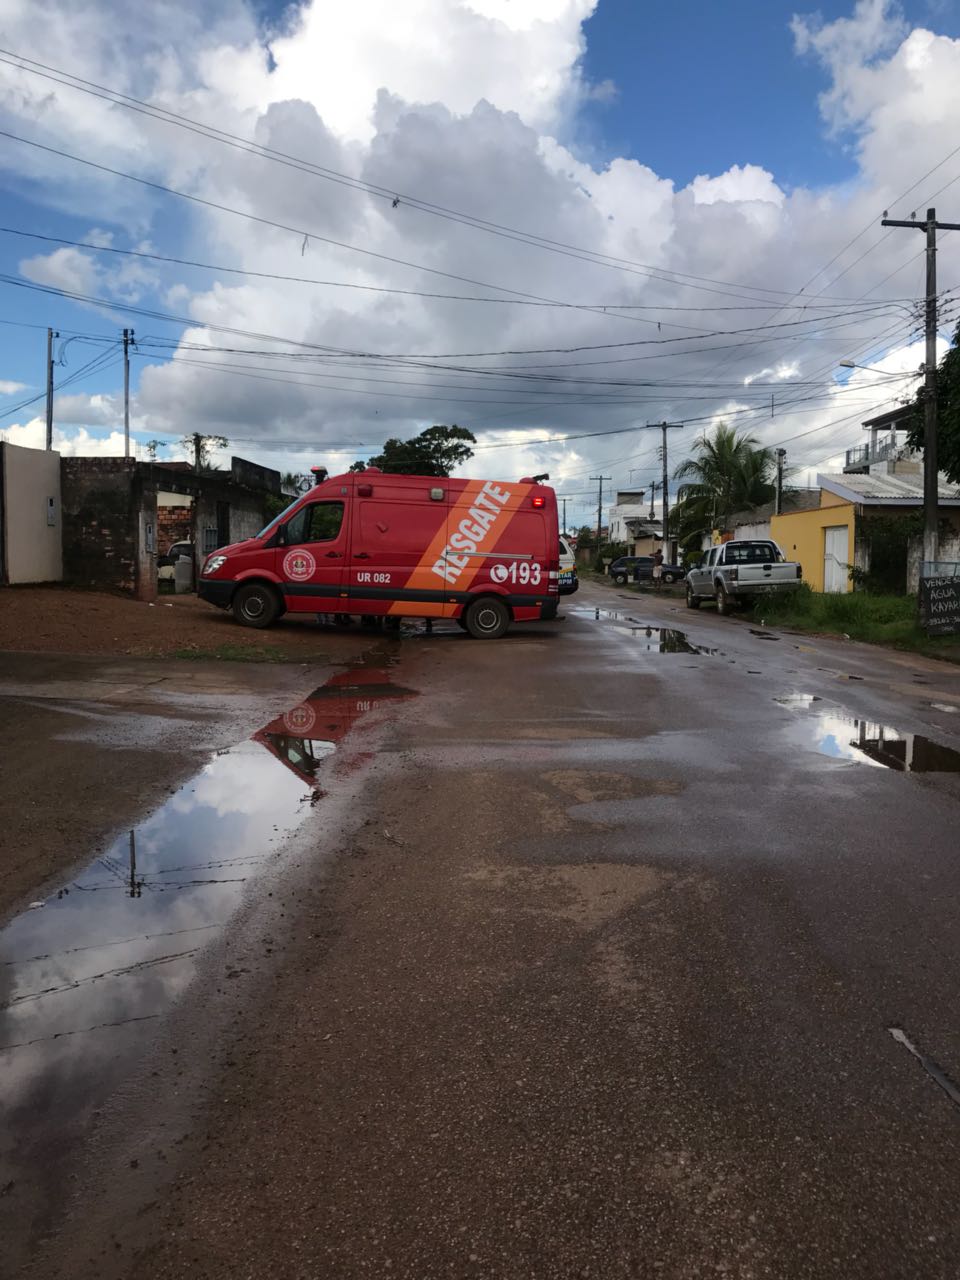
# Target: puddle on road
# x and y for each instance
(832, 733)
(797, 699)
(944, 706)
(85, 975)
(651, 639)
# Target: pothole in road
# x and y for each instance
(651, 639)
(843, 737)
(113, 948)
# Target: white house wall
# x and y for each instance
(32, 531)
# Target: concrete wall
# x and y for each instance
(949, 548)
(30, 515)
(800, 536)
(246, 516)
(253, 476)
(101, 521)
(758, 529)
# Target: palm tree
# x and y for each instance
(728, 473)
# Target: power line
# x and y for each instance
(142, 254)
(99, 362)
(213, 133)
(152, 313)
(300, 232)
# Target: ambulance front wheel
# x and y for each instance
(487, 619)
(256, 605)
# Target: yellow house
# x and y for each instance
(836, 535)
(823, 540)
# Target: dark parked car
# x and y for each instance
(621, 571)
(643, 570)
(640, 569)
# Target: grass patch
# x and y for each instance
(233, 653)
(874, 619)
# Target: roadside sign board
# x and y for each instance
(940, 605)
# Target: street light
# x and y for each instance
(872, 368)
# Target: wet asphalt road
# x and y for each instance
(598, 977)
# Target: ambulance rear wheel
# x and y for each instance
(256, 605)
(487, 619)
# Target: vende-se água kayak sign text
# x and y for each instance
(940, 605)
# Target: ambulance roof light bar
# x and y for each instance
(535, 479)
(319, 475)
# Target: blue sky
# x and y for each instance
(703, 86)
(700, 89)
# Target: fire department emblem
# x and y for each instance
(300, 720)
(299, 565)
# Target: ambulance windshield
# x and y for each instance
(276, 519)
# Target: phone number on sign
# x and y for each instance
(524, 573)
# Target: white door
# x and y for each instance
(835, 543)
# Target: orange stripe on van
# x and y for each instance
(423, 576)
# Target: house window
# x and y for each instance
(210, 539)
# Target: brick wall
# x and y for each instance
(100, 499)
(174, 524)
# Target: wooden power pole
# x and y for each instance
(600, 480)
(931, 468)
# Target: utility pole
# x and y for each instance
(781, 454)
(136, 886)
(197, 451)
(654, 486)
(127, 340)
(600, 480)
(664, 427)
(51, 334)
(564, 517)
(931, 469)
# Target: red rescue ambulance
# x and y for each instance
(484, 552)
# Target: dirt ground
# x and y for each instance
(63, 620)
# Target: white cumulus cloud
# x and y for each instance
(679, 302)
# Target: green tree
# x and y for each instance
(728, 472)
(434, 452)
(201, 448)
(948, 413)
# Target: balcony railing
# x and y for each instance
(864, 454)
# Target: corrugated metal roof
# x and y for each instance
(874, 488)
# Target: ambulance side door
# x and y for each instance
(311, 559)
(392, 530)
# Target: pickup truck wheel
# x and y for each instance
(693, 601)
(668, 577)
(620, 579)
(487, 619)
(724, 603)
(256, 605)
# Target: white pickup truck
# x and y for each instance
(734, 571)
